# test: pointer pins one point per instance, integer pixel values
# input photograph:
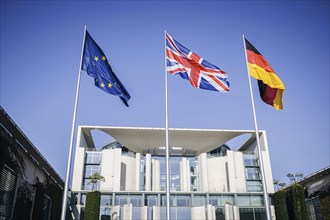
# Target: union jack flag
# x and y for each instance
(194, 68)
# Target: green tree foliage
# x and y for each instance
(324, 197)
(55, 193)
(94, 179)
(10, 154)
(279, 200)
(92, 209)
(325, 207)
(296, 203)
(23, 204)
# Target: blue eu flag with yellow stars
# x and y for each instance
(97, 66)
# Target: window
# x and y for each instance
(121, 199)
(164, 200)
(254, 186)
(250, 160)
(7, 191)
(106, 200)
(183, 201)
(246, 214)
(151, 200)
(47, 205)
(135, 200)
(257, 201)
(252, 173)
(226, 199)
(91, 169)
(260, 214)
(213, 200)
(93, 157)
(220, 214)
(198, 201)
(243, 201)
(83, 199)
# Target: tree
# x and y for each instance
(94, 179)
(291, 178)
(299, 176)
(276, 182)
(11, 155)
(295, 178)
(281, 185)
(92, 209)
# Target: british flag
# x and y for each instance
(194, 68)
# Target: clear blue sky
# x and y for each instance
(40, 54)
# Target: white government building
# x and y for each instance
(208, 180)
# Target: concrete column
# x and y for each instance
(209, 212)
(127, 211)
(144, 213)
(231, 171)
(111, 169)
(239, 167)
(229, 215)
(78, 172)
(236, 212)
(198, 213)
(155, 175)
(185, 175)
(155, 212)
(148, 172)
(213, 210)
(115, 212)
(137, 171)
(203, 174)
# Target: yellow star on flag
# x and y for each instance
(109, 85)
(103, 58)
(102, 85)
(96, 58)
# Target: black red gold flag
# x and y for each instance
(271, 87)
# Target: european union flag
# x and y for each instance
(97, 66)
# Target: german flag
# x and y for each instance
(270, 85)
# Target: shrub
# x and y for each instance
(92, 209)
(325, 206)
(297, 208)
(279, 200)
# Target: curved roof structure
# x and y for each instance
(183, 140)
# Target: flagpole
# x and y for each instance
(66, 187)
(263, 179)
(168, 211)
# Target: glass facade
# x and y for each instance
(250, 206)
(92, 165)
(252, 173)
(250, 203)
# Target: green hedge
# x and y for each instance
(297, 208)
(92, 209)
(279, 200)
(325, 206)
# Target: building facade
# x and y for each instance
(208, 180)
(29, 186)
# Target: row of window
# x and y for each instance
(252, 172)
(179, 200)
(182, 213)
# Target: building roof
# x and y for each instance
(188, 141)
(8, 126)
